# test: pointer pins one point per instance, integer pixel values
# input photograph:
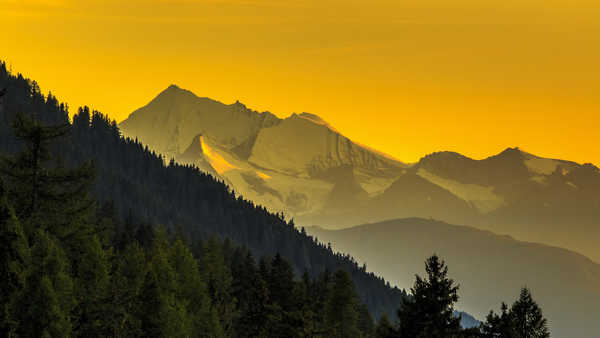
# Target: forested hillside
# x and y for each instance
(74, 265)
(70, 271)
(137, 185)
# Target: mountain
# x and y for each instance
(134, 183)
(531, 198)
(489, 268)
(289, 165)
(304, 167)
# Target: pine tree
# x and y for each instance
(430, 311)
(51, 197)
(342, 315)
(126, 292)
(321, 293)
(44, 307)
(527, 317)
(191, 289)
(281, 283)
(498, 326)
(163, 314)
(218, 279)
(14, 259)
(250, 292)
(92, 290)
(303, 297)
(384, 328)
(365, 321)
(283, 316)
(253, 322)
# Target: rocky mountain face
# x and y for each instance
(290, 165)
(489, 268)
(531, 198)
(302, 166)
(170, 122)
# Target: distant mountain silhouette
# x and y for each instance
(304, 167)
(531, 198)
(490, 268)
(288, 165)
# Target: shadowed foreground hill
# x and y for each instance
(490, 268)
(182, 198)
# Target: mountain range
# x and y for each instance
(136, 190)
(304, 167)
(354, 181)
(489, 268)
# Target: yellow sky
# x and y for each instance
(405, 77)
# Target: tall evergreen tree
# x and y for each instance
(365, 321)
(163, 314)
(342, 315)
(92, 291)
(384, 328)
(281, 283)
(430, 312)
(284, 319)
(191, 290)
(527, 317)
(498, 326)
(45, 305)
(51, 196)
(14, 259)
(126, 292)
(217, 276)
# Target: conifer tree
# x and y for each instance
(384, 328)
(126, 292)
(191, 290)
(527, 317)
(163, 314)
(342, 315)
(44, 307)
(253, 323)
(365, 321)
(498, 326)
(217, 276)
(281, 290)
(92, 291)
(430, 312)
(321, 294)
(14, 259)
(45, 195)
(281, 283)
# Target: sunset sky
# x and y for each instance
(405, 77)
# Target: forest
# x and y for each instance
(102, 237)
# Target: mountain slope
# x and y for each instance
(490, 268)
(531, 198)
(303, 167)
(139, 185)
(171, 120)
(285, 164)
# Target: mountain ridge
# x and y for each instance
(291, 165)
(565, 283)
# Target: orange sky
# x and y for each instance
(406, 77)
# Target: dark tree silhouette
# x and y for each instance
(430, 310)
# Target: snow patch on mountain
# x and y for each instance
(543, 166)
(482, 197)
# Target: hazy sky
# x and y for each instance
(406, 77)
